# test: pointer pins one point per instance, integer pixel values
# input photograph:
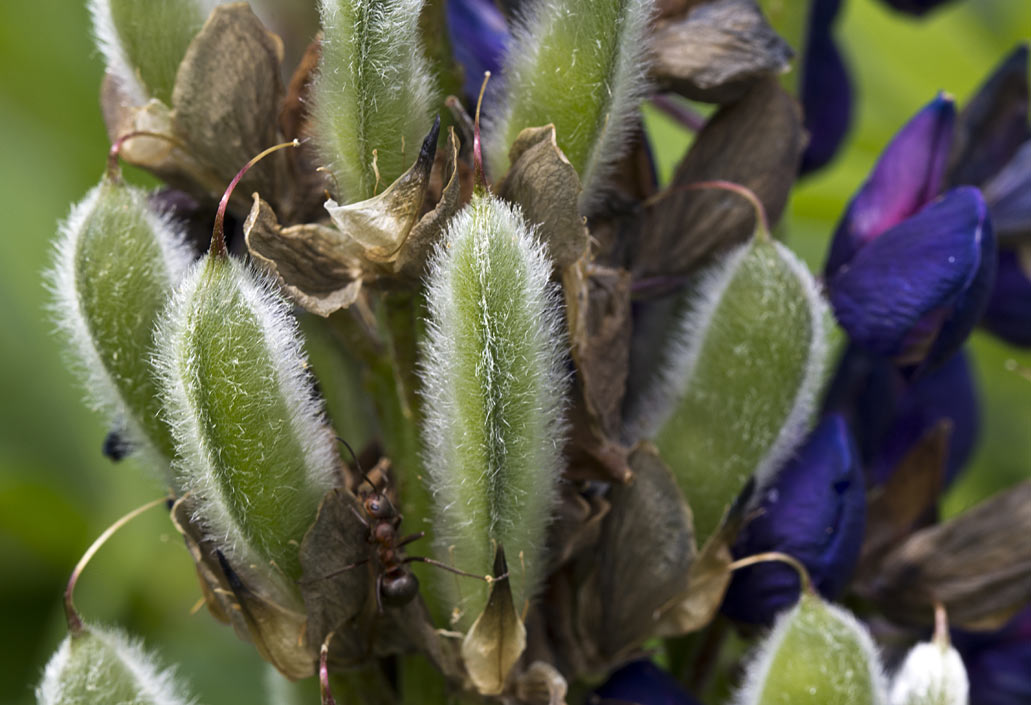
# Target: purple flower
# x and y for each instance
(479, 36)
(815, 510)
(994, 153)
(909, 277)
(889, 413)
(998, 663)
(641, 683)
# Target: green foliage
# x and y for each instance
(250, 432)
(374, 92)
(145, 40)
(580, 65)
(493, 391)
(116, 265)
(750, 365)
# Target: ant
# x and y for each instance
(396, 585)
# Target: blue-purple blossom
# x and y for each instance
(908, 276)
(641, 683)
(1009, 309)
(479, 35)
(998, 663)
(815, 510)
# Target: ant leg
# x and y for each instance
(412, 537)
(456, 571)
(305, 581)
(379, 592)
(360, 517)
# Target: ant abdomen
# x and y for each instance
(399, 588)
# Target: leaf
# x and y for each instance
(545, 185)
(755, 142)
(717, 51)
(497, 638)
(977, 564)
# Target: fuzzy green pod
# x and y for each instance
(96, 665)
(580, 65)
(255, 449)
(816, 654)
(144, 41)
(374, 93)
(116, 264)
(738, 392)
(494, 390)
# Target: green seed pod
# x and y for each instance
(116, 264)
(143, 42)
(932, 674)
(737, 395)
(817, 654)
(581, 65)
(494, 390)
(97, 665)
(254, 445)
(374, 93)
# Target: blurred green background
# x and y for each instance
(56, 490)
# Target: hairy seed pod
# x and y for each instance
(374, 93)
(816, 654)
(116, 265)
(254, 445)
(738, 393)
(932, 674)
(101, 665)
(144, 41)
(494, 388)
(581, 65)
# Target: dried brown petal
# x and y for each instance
(545, 185)
(894, 509)
(227, 95)
(497, 638)
(717, 50)
(645, 553)
(755, 142)
(978, 565)
(277, 630)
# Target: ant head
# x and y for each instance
(377, 506)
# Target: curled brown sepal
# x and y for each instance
(268, 616)
(323, 268)
(717, 50)
(547, 189)
(70, 613)
(497, 638)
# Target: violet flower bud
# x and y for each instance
(815, 511)
(998, 663)
(826, 90)
(1009, 309)
(642, 683)
(479, 36)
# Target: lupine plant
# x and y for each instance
(455, 404)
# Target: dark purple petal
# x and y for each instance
(994, 123)
(1008, 195)
(945, 393)
(479, 36)
(1009, 309)
(641, 683)
(815, 510)
(998, 663)
(826, 88)
(917, 290)
(915, 7)
(907, 177)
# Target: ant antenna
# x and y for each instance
(218, 233)
(358, 465)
